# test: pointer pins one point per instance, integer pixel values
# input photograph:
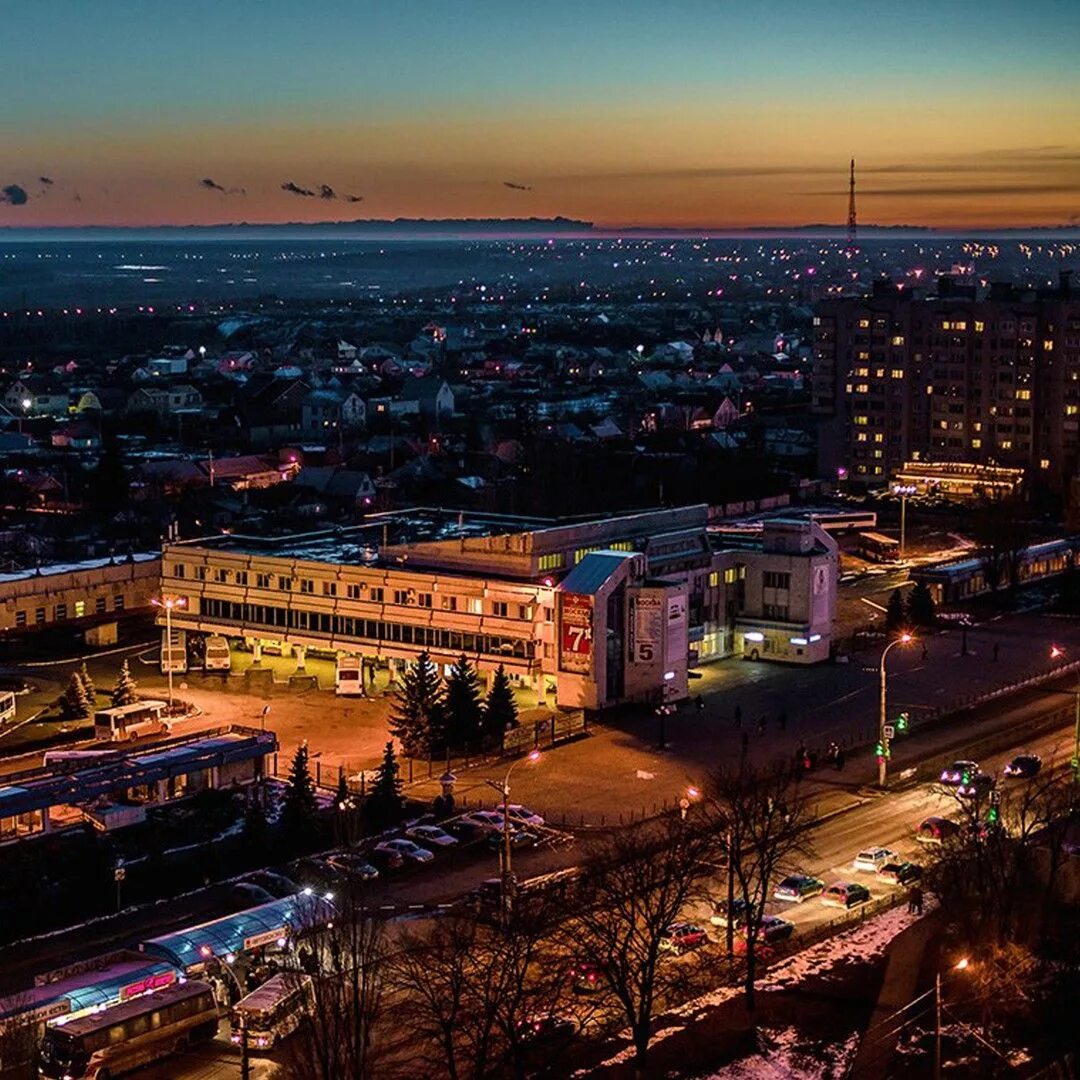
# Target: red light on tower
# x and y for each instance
(1056, 652)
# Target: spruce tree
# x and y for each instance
(417, 716)
(895, 613)
(921, 606)
(386, 798)
(500, 710)
(464, 706)
(299, 806)
(74, 704)
(126, 686)
(88, 685)
(342, 795)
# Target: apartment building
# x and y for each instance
(988, 377)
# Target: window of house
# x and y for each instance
(449, 603)
(474, 605)
(61, 612)
(307, 585)
(284, 584)
(774, 579)
(241, 577)
(179, 570)
(200, 573)
(221, 575)
(20, 619)
(262, 581)
(39, 616)
(499, 608)
(80, 608)
(525, 612)
(424, 599)
(99, 605)
(118, 602)
(352, 591)
(376, 594)
(401, 596)
(553, 562)
(714, 579)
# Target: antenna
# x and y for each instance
(852, 226)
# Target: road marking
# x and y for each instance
(870, 603)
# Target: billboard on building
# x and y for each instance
(645, 627)
(677, 643)
(576, 633)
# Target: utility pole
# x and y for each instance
(883, 736)
(852, 227)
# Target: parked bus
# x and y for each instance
(131, 1035)
(174, 653)
(7, 707)
(838, 521)
(350, 675)
(217, 656)
(125, 722)
(273, 1011)
(878, 548)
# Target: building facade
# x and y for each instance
(986, 377)
(595, 613)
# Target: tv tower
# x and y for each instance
(851, 220)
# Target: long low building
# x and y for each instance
(595, 612)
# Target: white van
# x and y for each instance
(217, 656)
(130, 721)
(350, 675)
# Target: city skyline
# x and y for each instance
(706, 116)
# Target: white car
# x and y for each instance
(431, 834)
(407, 850)
(487, 820)
(522, 815)
(873, 859)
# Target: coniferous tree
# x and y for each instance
(88, 685)
(343, 795)
(74, 704)
(500, 710)
(126, 686)
(464, 706)
(417, 716)
(921, 609)
(895, 613)
(298, 811)
(386, 798)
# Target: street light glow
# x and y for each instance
(1056, 652)
(961, 965)
(905, 639)
(534, 756)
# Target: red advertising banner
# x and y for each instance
(576, 636)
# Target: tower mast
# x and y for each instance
(851, 220)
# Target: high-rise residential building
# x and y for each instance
(960, 374)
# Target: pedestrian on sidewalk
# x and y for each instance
(738, 716)
(781, 720)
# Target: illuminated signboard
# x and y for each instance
(576, 640)
(645, 627)
(144, 986)
(266, 938)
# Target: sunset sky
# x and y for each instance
(693, 113)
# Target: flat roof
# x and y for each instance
(75, 567)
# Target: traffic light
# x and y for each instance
(902, 722)
(882, 749)
(994, 813)
(965, 779)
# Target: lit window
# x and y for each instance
(1072, 410)
(879, 437)
(1044, 463)
(976, 444)
(553, 562)
(731, 575)
(862, 388)
(897, 373)
(1005, 444)
(860, 436)
(474, 605)
(862, 421)
(898, 339)
(714, 579)
(977, 426)
(80, 608)
(864, 324)
(979, 326)
(1048, 345)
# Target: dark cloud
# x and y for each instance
(327, 192)
(296, 189)
(353, 198)
(516, 187)
(212, 185)
(46, 180)
(76, 197)
(13, 195)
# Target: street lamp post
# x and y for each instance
(168, 603)
(883, 745)
(903, 490)
(505, 877)
(26, 403)
(960, 965)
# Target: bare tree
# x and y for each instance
(763, 817)
(633, 889)
(1002, 533)
(347, 966)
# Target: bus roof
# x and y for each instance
(83, 1025)
(135, 706)
(879, 538)
(272, 991)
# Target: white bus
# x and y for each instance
(7, 707)
(174, 653)
(350, 675)
(124, 722)
(273, 1011)
(217, 656)
(131, 1035)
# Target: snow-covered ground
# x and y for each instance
(864, 942)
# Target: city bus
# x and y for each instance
(878, 548)
(131, 1035)
(217, 656)
(273, 1011)
(123, 722)
(7, 707)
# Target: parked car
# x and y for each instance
(407, 849)
(900, 872)
(465, 832)
(936, 830)
(484, 819)
(959, 772)
(546, 1030)
(978, 785)
(522, 815)
(737, 916)
(845, 894)
(1023, 766)
(351, 865)
(314, 873)
(873, 859)
(518, 838)
(278, 885)
(384, 858)
(680, 937)
(431, 834)
(249, 894)
(771, 930)
(798, 887)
